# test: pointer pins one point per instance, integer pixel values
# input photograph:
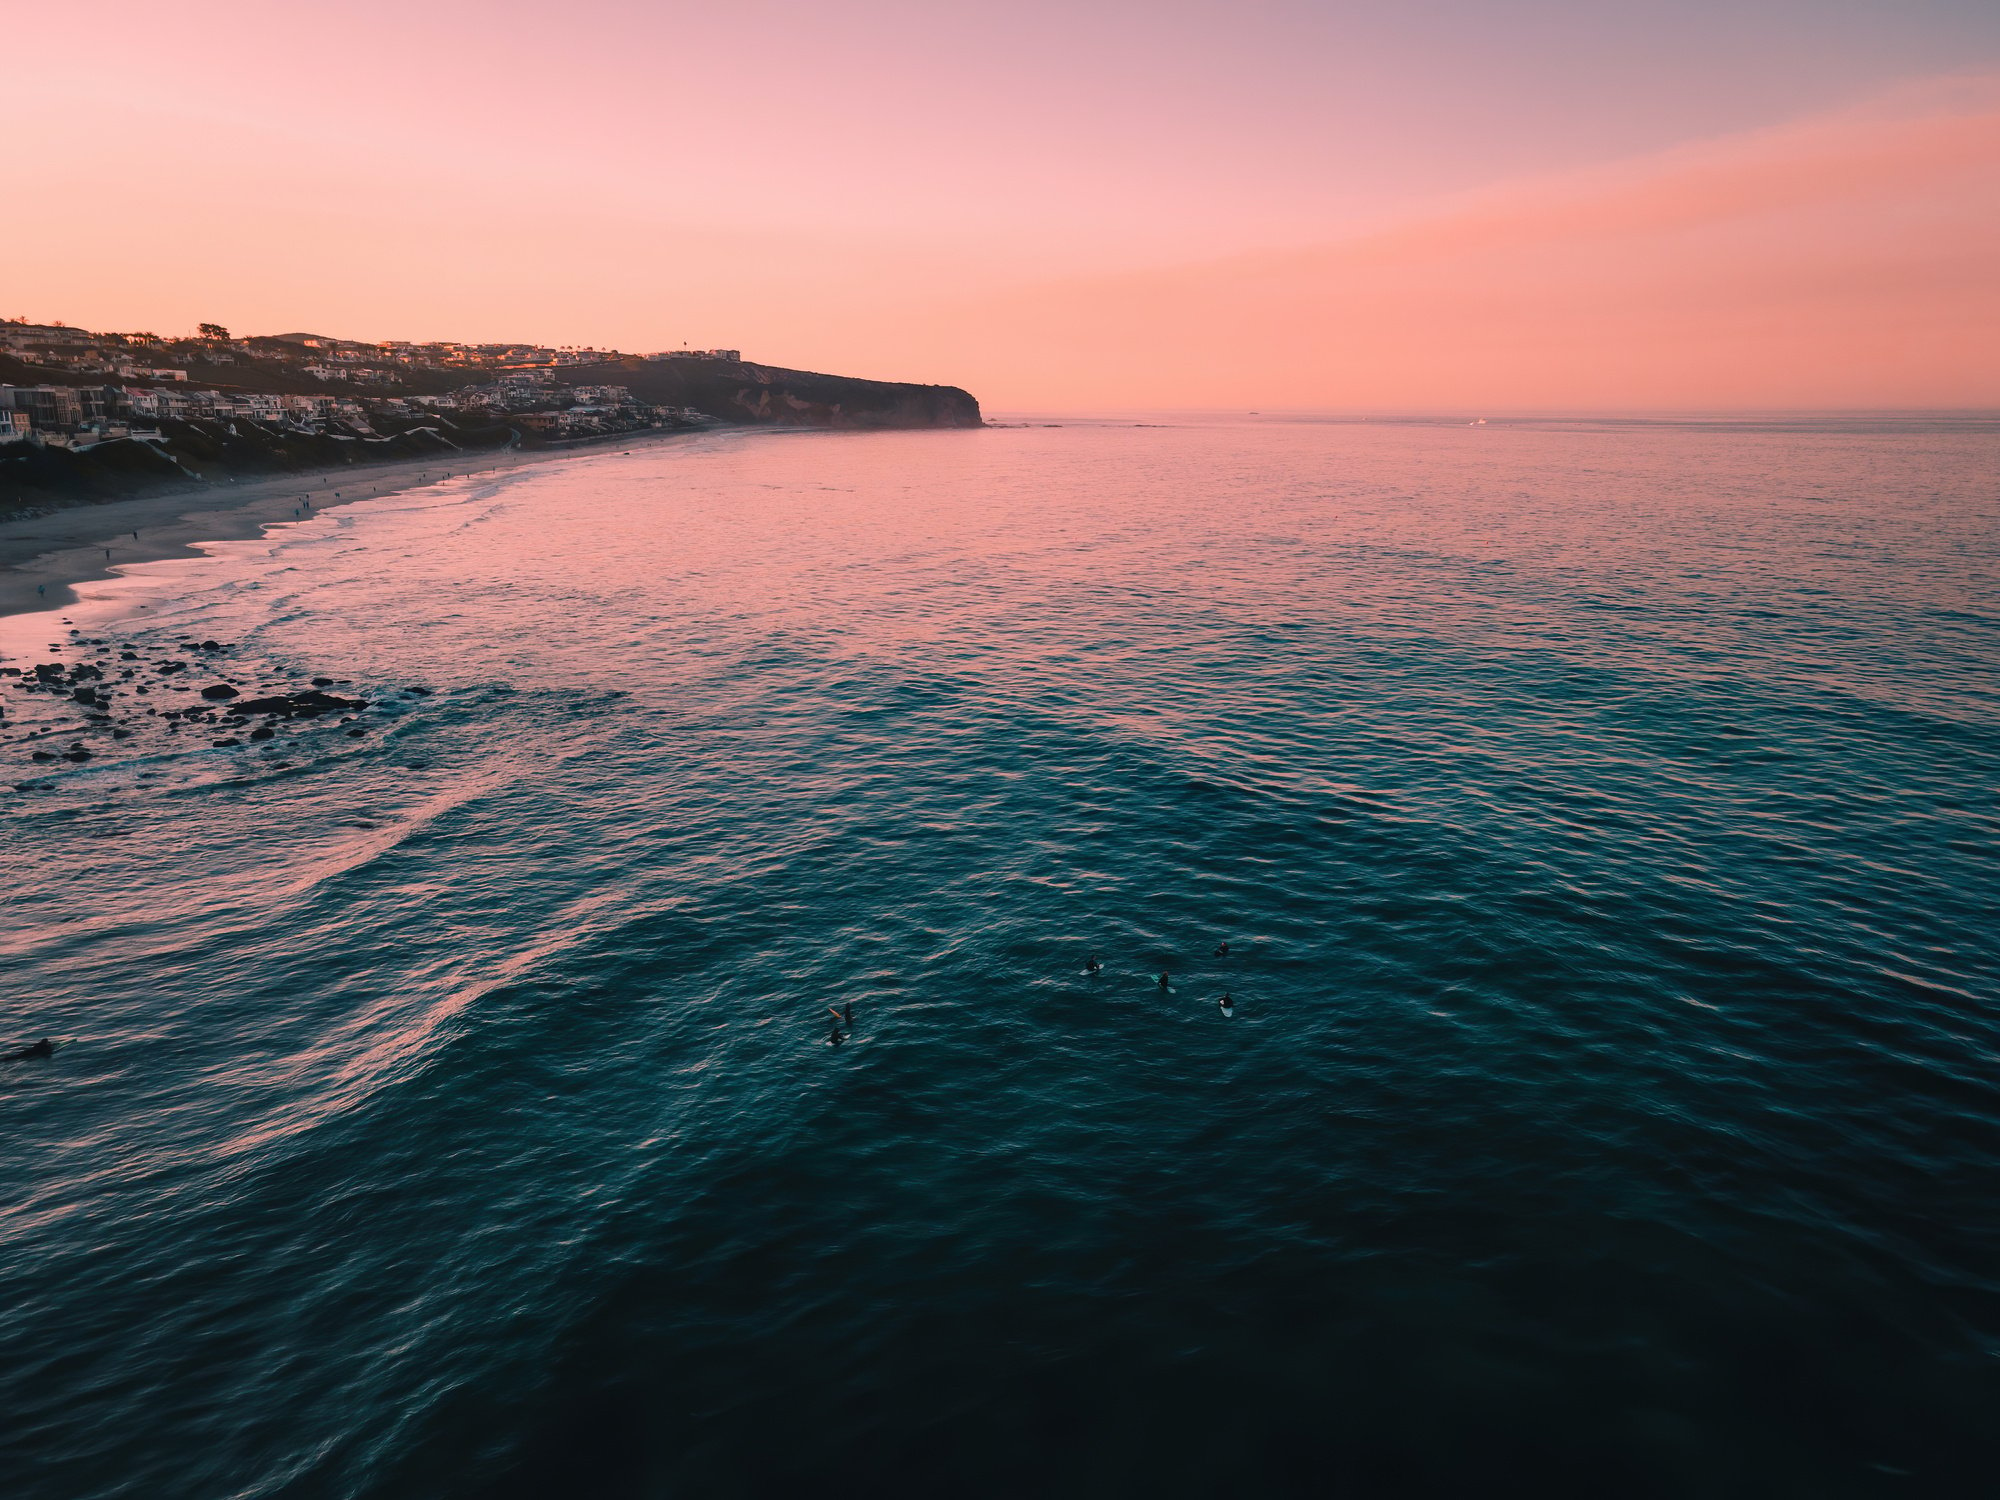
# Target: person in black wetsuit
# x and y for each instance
(847, 1014)
(43, 1048)
(1093, 966)
(1222, 949)
(1163, 979)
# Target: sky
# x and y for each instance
(1440, 204)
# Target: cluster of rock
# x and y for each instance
(108, 694)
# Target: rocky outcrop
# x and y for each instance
(128, 703)
(308, 704)
(736, 392)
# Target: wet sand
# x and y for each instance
(86, 542)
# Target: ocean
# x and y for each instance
(1601, 817)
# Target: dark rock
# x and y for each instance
(355, 734)
(121, 734)
(308, 704)
(421, 692)
(263, 732)
(219, 691)
(228, 744)
(322, 682)
(49, 671)
(79, 754)
(128, 656)
(212, 646)
(85, 695)
(171, 666)
(42, 755)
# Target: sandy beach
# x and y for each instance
(42, 557)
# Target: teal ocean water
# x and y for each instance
(1600, 816)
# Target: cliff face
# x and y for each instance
(796, 398)
(35, 478)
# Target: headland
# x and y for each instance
(118, 448)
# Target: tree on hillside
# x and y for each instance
(213, 331)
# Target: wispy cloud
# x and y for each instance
(1848, 259)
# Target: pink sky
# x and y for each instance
(1765, 203)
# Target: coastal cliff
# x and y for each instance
(733, 391)
(36, 479)
(409, 412)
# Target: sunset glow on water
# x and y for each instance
(1078, 749)
(1598, 814)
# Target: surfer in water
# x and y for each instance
(1163, 979)
(43, 1048)
(1228, 1006)
(1093, 966)
(1222, 949)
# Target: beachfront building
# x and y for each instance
(50, 408)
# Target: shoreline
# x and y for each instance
(64, 548)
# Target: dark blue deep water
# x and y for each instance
(1602, 818)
